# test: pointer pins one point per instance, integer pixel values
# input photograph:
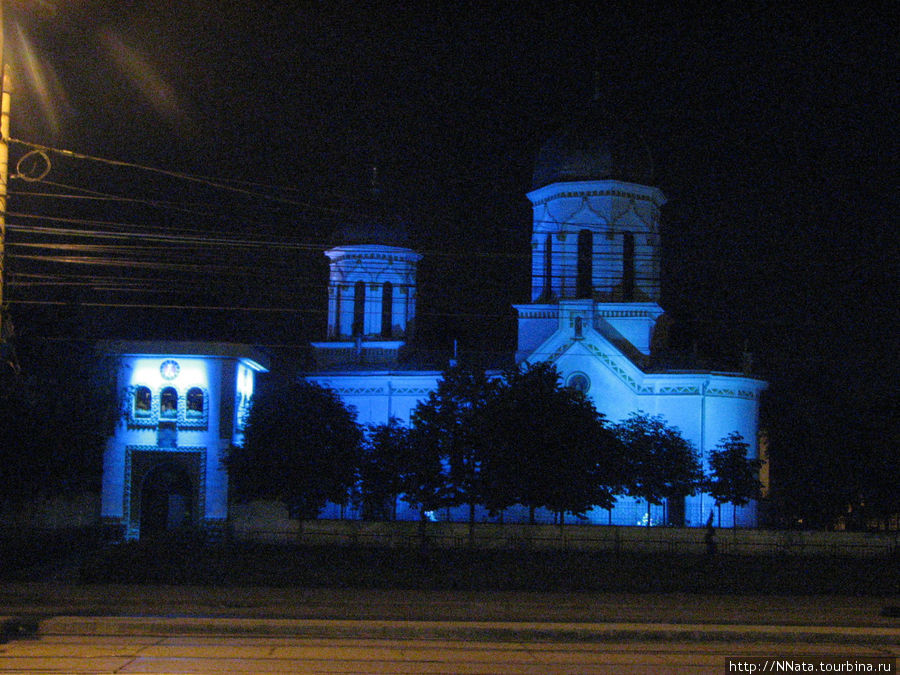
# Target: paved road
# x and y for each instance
(80, 645)
(186, 630)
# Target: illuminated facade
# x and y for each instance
(592, 313)
(183, 405)
(371, 314)
(594, 302)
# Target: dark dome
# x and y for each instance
(594, 146)
(371, 214)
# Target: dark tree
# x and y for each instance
(58, 407)
(661, 465)
(386, 448)
(814, 456)
(424, 479)
(301, 447)
(878, 467)
(447, 425)
(735, 477)
(548, 447)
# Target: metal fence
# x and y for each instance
(611, 539)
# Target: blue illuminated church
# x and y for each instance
(593, 312)
(594, 309)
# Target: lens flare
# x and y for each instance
(143, 76)
(42, 79)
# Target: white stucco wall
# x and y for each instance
(216, 369)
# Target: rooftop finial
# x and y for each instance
(374, 187)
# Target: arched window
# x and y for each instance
(628, 266)
(194, 402)
(548, 266)
(337, 311)
(359, 308)
(579, 326)
(585, 274)
(143, 402)
(168, 402)
(387, 309)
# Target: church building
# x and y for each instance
(593, 312)
(594, 308)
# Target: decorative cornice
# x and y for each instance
(412, 391)
(626, 313)
(623, 374)
(538, 313)
(679, 390)
(732, 393)
(359, 391)
(640, 388)
(565, 194)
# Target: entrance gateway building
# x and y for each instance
(593, 312)
(183, 405)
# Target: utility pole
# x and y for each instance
(4, 162)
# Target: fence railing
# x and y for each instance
(598, 538)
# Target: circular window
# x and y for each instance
(169, 369)
(579, 382)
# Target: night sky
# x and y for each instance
(772, 129)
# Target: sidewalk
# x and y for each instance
(118, 609)
(482, 631)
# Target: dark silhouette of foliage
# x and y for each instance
(58, 407)
(384, 451)
(548, 447)
(447, 426)
(301, 447)
(423, 476)
(735, 477)
(661, 465)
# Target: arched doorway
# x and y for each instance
(167, 500)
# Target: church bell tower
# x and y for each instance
(595, 237)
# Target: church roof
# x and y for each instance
(594, 145)
(371, 214)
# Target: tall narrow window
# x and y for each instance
(387, 309)
(548, 266)
(337, 311)
(143, 402)
(585, 273)
(194, 402)
(359, 308)
(628, 267)
(168, 402)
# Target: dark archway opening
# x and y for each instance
(167, 500)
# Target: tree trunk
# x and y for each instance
(423, 539)
(531, 515)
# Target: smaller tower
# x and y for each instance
(371, 304)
